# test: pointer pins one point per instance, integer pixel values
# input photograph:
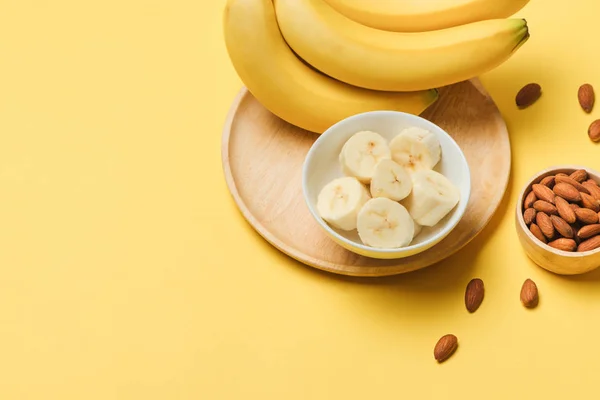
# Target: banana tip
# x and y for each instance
(435, 94)
(523, 38)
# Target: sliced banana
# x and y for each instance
(429, 139)
(384, 223)
(416, 149)
(432, 197)
(340, 201)
(361, 153)
(390, 180)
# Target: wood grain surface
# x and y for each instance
(262, 162)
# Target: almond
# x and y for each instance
(586, 97)
(548, 181)
(591, 181)
(546, 207)
(563, 244)
(545, 223)
(528, 95)
(567, 192)
(573, 206)
(445, 347)
(593, 188)
(562, 226)
(586, 216)
(529, 294)
(588, 201)
(537, 232)
(529, 200)
(529, 216)
(594, 131)
(590, 244)
(543, 192)
(572, 182)
(561, 174)
(588, 231)
(563, 209)
(474, 294)
(580, 175)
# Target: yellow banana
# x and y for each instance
(288, 87)
(424, 15)
(393, 61)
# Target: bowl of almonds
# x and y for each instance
(558, 219)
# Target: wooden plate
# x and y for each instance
(263, 156)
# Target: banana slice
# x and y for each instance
(340, 201)
(432, 197)
(429, 139)
(384, 223)
(416, 149)
(361, 153)
(390, 180)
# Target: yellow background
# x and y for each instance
(126, 271)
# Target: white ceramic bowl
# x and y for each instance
(322, 165)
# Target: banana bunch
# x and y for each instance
(315, 62)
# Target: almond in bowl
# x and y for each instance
(558, 220)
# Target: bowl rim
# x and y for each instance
(535, 178)
(414, 248)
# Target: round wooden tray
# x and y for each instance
(262, 161)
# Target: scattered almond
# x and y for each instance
(474, 294)
(548, 181)
(590, 244)
(563, 244)
(572, 182)
(537, 232)
(563, 209)
(567, 192)
(593, 188)
(588, 201)
(545, 223)
(528, 95)
(562, 226)
(529, 200)
(580, 175)
(445, 347)
(586, 216)
(529, 294)
(543, 192)
(586, 97)
(588, 231)
(594, 131)
(544, 206)
(529, 216)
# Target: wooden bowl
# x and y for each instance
(554, 260)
